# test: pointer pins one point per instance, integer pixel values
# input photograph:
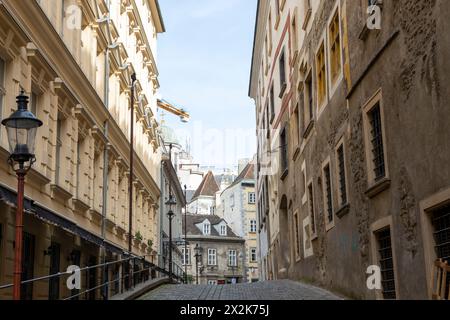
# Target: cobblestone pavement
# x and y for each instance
(270, 290)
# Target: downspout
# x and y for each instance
(106, 157)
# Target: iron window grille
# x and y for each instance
(377, 143)
(441, 224)
(328, 195)
(311, 208)
(386, 264)
(342, 179)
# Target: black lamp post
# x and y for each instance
(198, 256)
(171, 202)
(21, 128)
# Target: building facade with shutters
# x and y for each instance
(222, 252)
(352, 123)
(238, 209)
(75, 59)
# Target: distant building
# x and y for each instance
(222, 251)
(238, 208)
(204, 199)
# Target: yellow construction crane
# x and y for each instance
(184, 116)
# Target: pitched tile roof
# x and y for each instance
(208, 187)
(192, 229)
(248, 173)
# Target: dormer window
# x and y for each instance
(223, 230)
(206, 228)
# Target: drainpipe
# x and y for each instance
(105, 289)
(104, 210)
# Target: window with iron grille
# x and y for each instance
(212, 257)
(284, 150)
(377, 142)
(328, 195)
(272, 104)
(441, 224)
(282, 70)
(341, 173)
(311, 207)
(386, 263)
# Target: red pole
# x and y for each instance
(19, 233)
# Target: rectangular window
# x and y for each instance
(308, 102)
(441, 224)
(33, 103)
(223, 230)
(272, 104)
(335, 48)
(58, 149)
(296, 127)
(253, 226)
(376, 134)
(311, 207)
(283, 84)
(386, 263)
(252, 198)
(212, 257)
(341, 175)
(295, 35)
(206, 229)
(232, 258)
(296, 235)
(321, 76)
(284, 151)
(186, 257)
(253, 256)
(327, 193)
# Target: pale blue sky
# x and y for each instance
(204, 63)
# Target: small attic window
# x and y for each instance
(223, 230)
(206, 228)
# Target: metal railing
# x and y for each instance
(138, 268)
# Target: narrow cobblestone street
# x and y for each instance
(270, 290)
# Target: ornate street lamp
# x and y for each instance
(21, 128)
(198, 256)
(171, 202)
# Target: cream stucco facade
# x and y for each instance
(74, 59)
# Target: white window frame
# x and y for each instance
(232, 258)
(253, 226)
(206, 228)
(212, 257)
(253, 251)
(251, 197)
(223, 230)
(186, 255)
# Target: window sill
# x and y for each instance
(284, 174)
(378, 188)
(38, 177)
(308, 129)
(343, 211)
(314, 237)
(80, 205)
(283, 90)
(60, 192)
